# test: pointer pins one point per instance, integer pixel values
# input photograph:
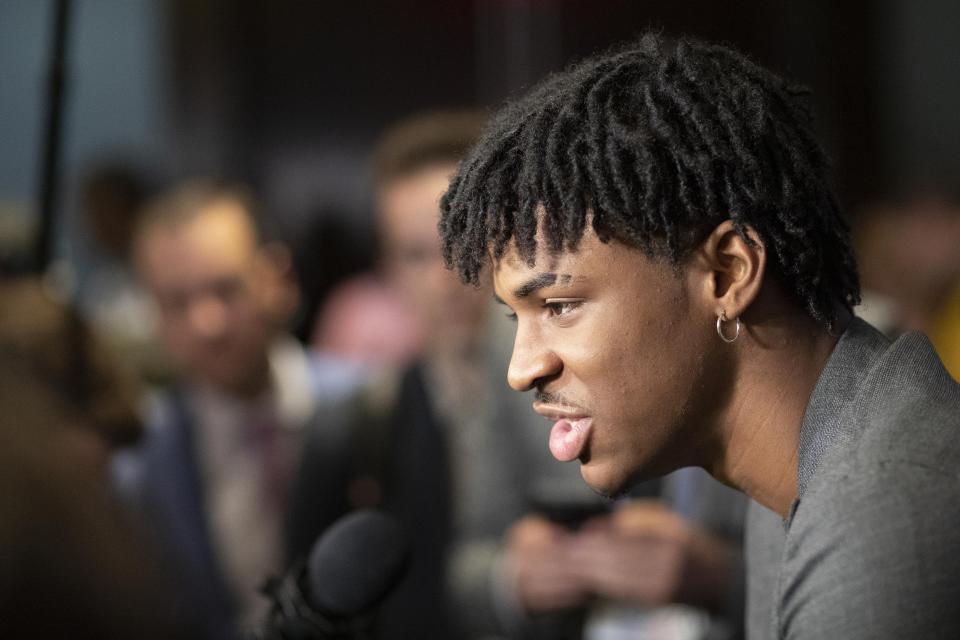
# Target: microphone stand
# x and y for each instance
(50, 167)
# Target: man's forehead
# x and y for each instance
(544, 260)
(190, 254)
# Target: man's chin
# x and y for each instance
(605, 482)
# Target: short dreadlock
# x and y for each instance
(655, 145)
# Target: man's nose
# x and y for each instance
(208, 317)
(531, 362)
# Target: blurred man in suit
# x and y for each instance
(219, 472)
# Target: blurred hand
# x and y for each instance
(646, 553)
(539, 559)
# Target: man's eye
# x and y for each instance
(226, 290)
(561, 307)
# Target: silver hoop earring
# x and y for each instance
(720, 319)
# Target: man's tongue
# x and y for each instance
(568, 438)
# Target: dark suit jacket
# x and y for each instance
(163, 480)
(416, 471)
(415, 478)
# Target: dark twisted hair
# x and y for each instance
(654, 145)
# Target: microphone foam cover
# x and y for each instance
(355, 563)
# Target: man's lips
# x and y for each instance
(570, 432)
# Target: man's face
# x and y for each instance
(620, 353)
(409, 209)
(214, 290)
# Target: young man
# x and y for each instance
(659, 220)
(465, 470)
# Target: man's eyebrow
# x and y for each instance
(535, 283)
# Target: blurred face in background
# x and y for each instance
(409, 209)
(221, 298)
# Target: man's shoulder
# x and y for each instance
(161, 452)
(907, 450)
(909, 407)
(879, 491)
(870, 549)
(871, 553)
(166, 421)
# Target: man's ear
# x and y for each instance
(732, 269)
(282, 288)
(277, 256)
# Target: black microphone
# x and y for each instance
(351, 568)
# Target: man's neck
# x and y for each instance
(780, 363)
(249, 388)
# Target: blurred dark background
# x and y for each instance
(288, 96)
